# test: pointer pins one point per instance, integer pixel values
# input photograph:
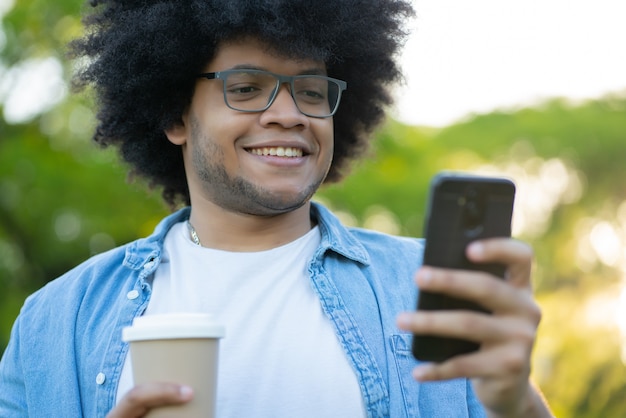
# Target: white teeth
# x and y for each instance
(277, 151)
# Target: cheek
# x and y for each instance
(219, 127)
(212, 115)
(325, 134)
(329, 144)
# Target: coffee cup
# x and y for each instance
(177, 348)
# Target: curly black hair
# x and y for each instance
(142, 57)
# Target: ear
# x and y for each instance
(177, 133)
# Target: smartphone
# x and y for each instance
(462, 208)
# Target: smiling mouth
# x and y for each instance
(288, 152)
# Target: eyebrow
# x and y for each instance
(308, 71)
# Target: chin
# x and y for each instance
(277, 206)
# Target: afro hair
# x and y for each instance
(142, 57)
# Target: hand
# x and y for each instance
(500, 369)
(142, 398)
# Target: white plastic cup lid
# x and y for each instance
(173, 326)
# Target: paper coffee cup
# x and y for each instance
(177, 348)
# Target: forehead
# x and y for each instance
(254, 53)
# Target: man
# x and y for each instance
(241, 110)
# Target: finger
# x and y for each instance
(492, 293)
(484, 329)
(516, 255)
(504, 360)
(142, 398)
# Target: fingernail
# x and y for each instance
(420, 373)
(476, 249)
(186, 392)
(424, 276)
(404, 320)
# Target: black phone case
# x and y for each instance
(462, 209)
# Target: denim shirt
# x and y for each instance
(65, 355)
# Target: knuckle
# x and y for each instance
(443, 278)
(514, 361)
(528, 337)
(470, 323)
(488, 289)
(534, 311)
(530, 252)
(462, 366)
(525, 250)
(523, 332)
(536, 314)
(426, 322)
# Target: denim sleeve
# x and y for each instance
(12, 387)
(37, 370)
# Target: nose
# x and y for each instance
(283, 110)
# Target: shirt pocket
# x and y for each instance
(444, 399)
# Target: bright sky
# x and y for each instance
(475, 56)
(463, 57)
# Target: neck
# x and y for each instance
(220, 229)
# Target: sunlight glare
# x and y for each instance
(542, 186)
(31, 88)
(606, 243)
(379, 218)
(620, 319)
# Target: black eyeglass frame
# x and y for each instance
(282, 79)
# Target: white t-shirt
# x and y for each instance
(280, 356)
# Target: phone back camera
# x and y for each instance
(473, 212)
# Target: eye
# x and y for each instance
(247, 85)
(312, 90)
(245, 91)
(313, 94)
(242, 89)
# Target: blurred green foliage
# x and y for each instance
(62, 200)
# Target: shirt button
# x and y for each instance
(148, 265)
(132, 295)
(100, 378)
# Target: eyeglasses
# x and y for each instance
(248, 90)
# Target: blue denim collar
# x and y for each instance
(335, 237)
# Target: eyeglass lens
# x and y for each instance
(255, 90)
